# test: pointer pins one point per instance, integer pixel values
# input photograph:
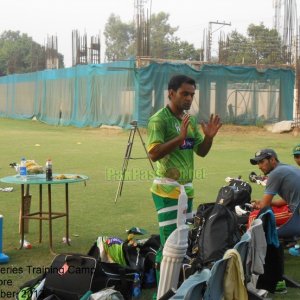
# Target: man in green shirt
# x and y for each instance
(173, 137)
(296, 153)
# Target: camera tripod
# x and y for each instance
(134, 129)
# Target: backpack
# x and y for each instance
(219, 232)
(238, 192)
(194, 232)
(142, 258)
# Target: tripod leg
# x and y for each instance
(125, 162)
(144, 145)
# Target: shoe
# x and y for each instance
(281, 287)
(26, 244)
(295, 251)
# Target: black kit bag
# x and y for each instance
(140, 258)
(218, 233)
(198, 221)
(241, 185)
(70, 276)
(116, 276)
(238, 192)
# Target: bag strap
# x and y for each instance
(75, 258)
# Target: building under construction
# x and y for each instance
(84, 53)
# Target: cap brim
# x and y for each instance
(254, 161)
(257, 159)
(296, 153)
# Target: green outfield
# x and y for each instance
(99, 153)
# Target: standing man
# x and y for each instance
(173, 137)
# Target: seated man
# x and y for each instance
(282, 180)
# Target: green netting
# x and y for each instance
(116, 93)
(240, 95)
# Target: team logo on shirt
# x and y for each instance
(177, 127)
(113, 241)
(187, 144)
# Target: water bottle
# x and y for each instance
(136, 288)
(23, 169)
(150, 279)
(182, 207)
(49, 170)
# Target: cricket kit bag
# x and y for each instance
(238, 192)
(138, 257)
(219, 232)
(71, 276)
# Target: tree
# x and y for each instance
(265, 44)
(235, 49)
(161, 36)
(182, 50)
(261, 46)
(119, 37)
(20, 54)
(120, 40)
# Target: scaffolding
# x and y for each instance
(95, 50)
(52, 60)
(142, 28)
(79, 49)
(81, 53)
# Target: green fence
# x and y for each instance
(116, 93)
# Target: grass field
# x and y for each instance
(99, 153)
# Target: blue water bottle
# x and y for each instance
(23, 169)
(136, 288)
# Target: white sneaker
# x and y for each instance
(26, 244)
